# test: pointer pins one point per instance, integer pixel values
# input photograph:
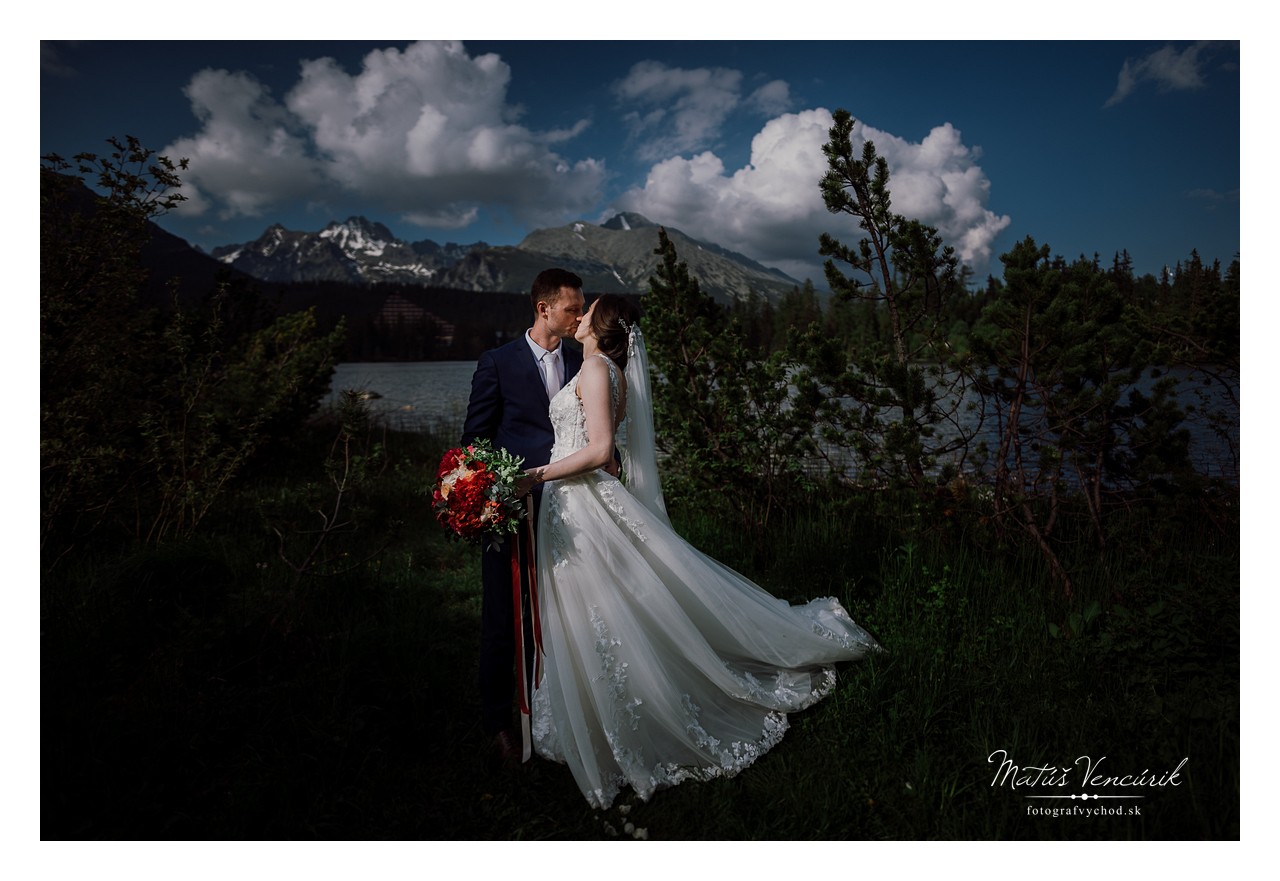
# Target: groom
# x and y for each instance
(510, 392)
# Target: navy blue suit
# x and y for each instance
(508, 406)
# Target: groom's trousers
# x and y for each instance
(497, 631)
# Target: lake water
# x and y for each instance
(432, 395)
(414, 395)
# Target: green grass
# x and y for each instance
(201, 689)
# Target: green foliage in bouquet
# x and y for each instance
(474, 494)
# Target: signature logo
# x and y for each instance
(1081, 776)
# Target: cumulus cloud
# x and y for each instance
(771, 99)
(251, 154)
(1167, 68)
(772, 209)
(680, 109)
(425, 132)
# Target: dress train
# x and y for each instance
(662, 665)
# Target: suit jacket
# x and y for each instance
(509, 401)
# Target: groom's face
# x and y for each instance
(564, 314)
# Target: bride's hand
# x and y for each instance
(525, 484)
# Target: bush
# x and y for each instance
(147, 414)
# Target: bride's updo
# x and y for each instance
(611, 322)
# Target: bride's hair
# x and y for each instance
(611, 322)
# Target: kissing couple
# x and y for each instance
(659, 665)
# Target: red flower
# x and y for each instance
(474, 491)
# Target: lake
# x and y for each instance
(414, 395)
(432, 395)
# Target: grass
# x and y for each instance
(202, 689)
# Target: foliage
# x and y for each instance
(1195, 324)
(147, 414)
(205, 420)
(797, 312)
(897, 404)
(1068, 352)
(726, 415)
(355, 460)
(188, 694)
(905, 367)
(96, 340)
(193, 690)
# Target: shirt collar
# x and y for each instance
(538, 351)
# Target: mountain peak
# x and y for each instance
(628, 220)
(355, 251)
(358, 235)
(616, 256)
(363, 224)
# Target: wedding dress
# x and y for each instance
(662, 665)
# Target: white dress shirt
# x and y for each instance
(550, 363)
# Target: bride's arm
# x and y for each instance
(597, 406)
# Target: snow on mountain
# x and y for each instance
(359, 236)
(617, 255)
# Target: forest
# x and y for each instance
(1193, 305)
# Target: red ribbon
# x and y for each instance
(527, 684)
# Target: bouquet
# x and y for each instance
(474, 494)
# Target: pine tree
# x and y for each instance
(726, 414)
(896, 404)
(1068, 349)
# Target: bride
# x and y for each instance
(662, 665)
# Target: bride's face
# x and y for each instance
(584, 331)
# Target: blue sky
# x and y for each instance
(1087, 146)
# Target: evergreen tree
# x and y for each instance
(755, 315)
(1197, 330)
(1068, 350)
(726, 414)
(797, 314)
(897, 404)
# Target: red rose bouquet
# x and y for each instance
(474, 493)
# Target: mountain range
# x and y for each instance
(617, 256)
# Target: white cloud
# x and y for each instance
(425, 132)
(772, 209)
(1167, 68)
(681, 109)
(249, 155)
(771, 99)
(448, 217)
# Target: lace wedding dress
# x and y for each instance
(662, 665)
